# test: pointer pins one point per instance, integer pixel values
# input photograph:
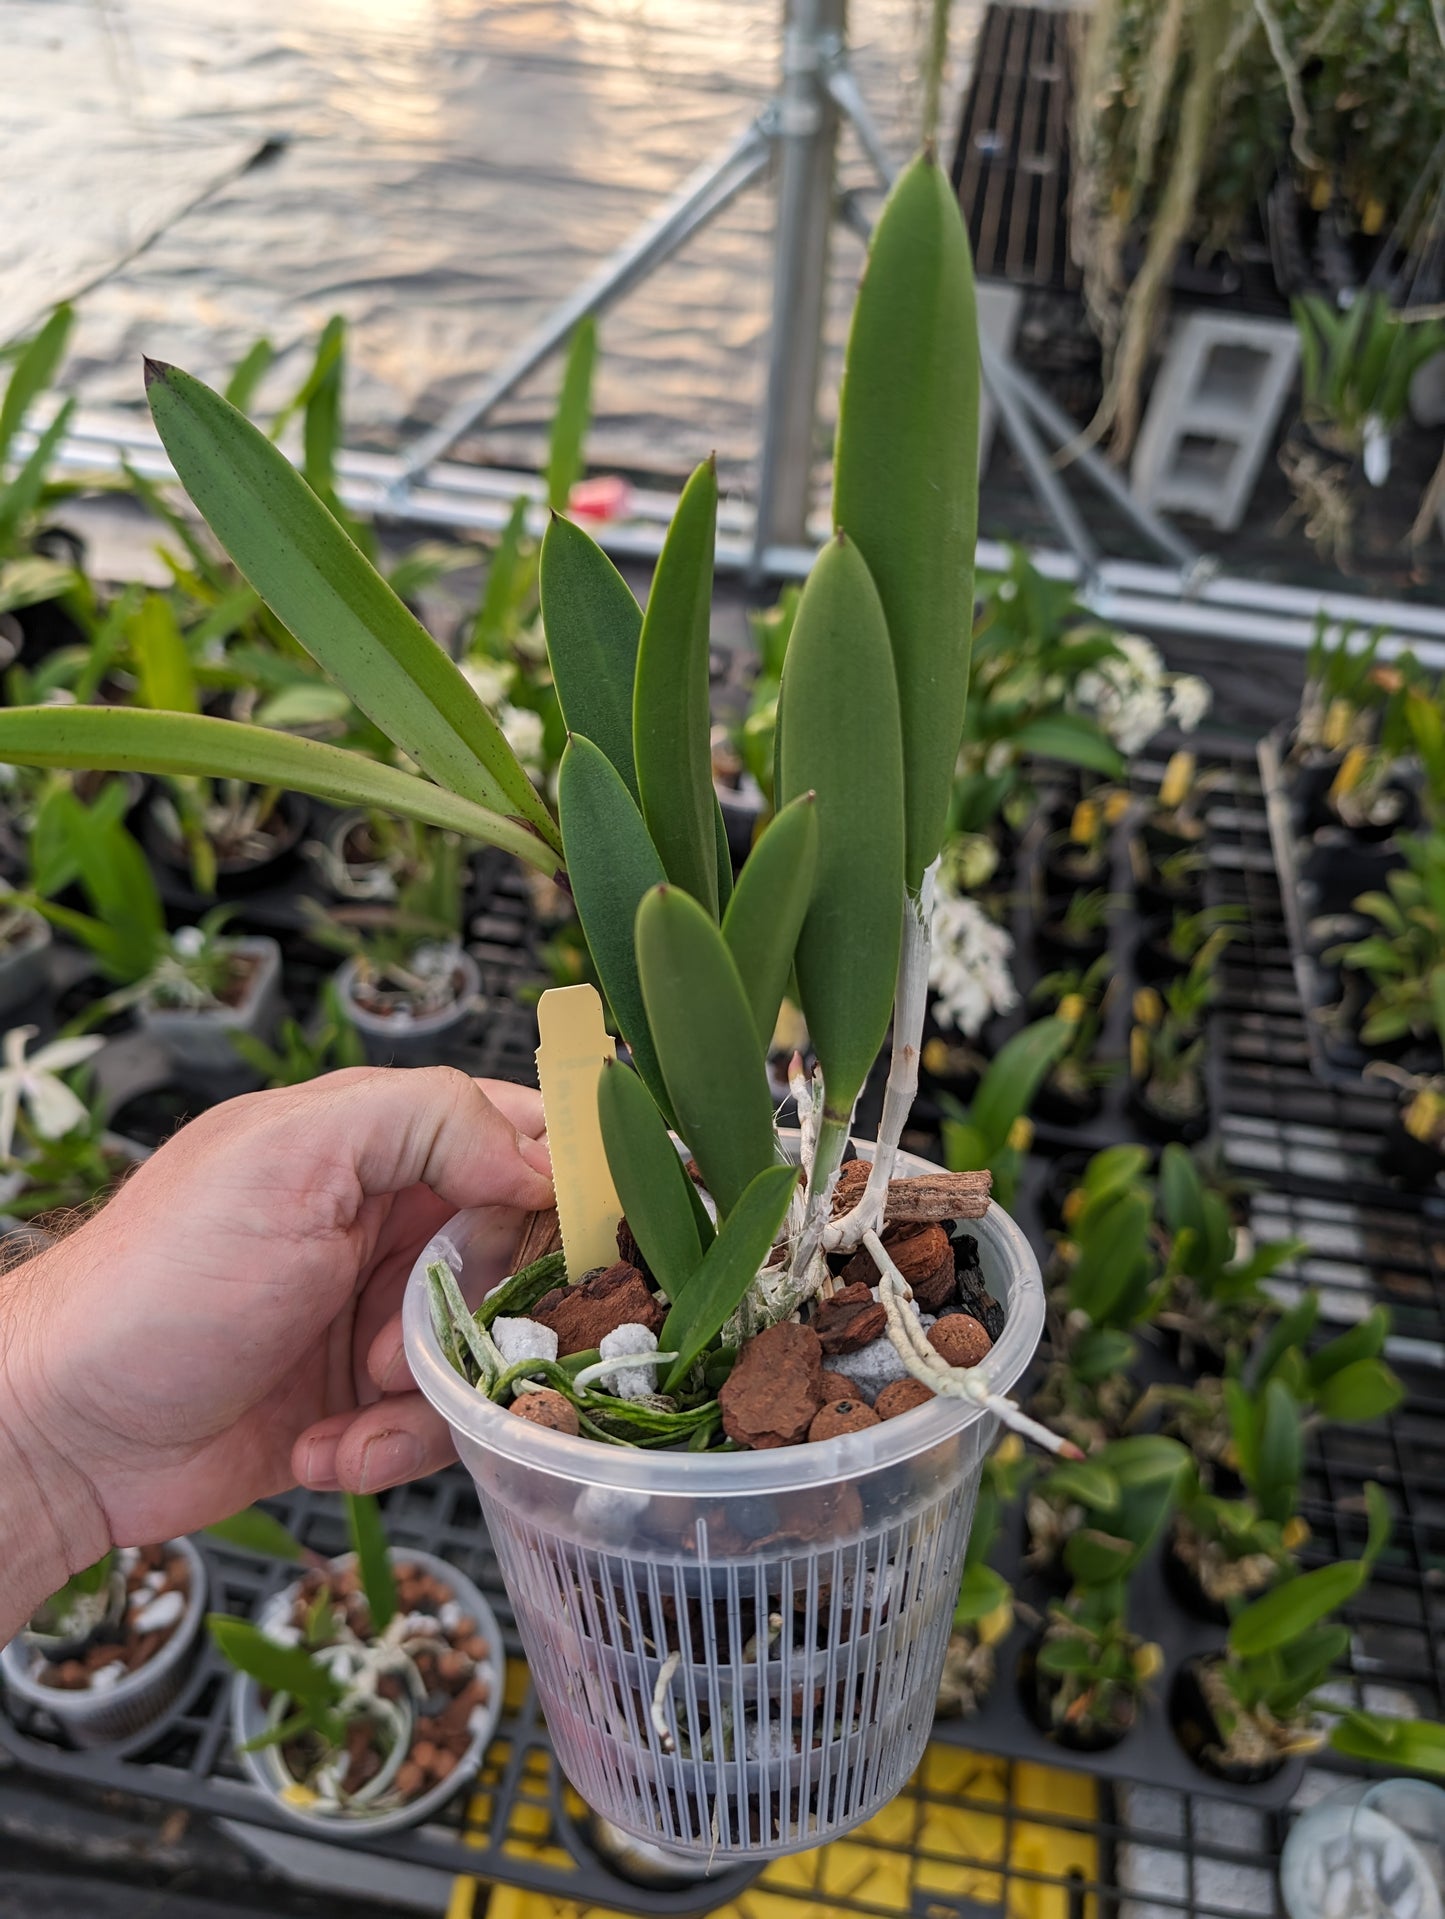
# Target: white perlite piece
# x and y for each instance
(521, 1339)
(106, 1678)
(627, 1342)
(163, 1611)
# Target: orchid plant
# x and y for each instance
(838, 890)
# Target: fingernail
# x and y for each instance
(389, 1457)
(534, 1151)
(397, 1374)
(319, 1467)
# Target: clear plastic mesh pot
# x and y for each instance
(785, 1611)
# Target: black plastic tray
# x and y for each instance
(1149, 1754)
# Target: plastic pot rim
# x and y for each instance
(779, 1470)
(263, 1767)
(74, 1708)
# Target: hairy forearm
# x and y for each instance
(51, 1525)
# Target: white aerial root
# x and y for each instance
(910, 1003)
(602, 1368)
(659, 1695)
(910, 1342)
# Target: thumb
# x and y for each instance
(430, 1126)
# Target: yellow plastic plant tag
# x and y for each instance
(575, 1045)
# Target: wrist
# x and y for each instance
(52, 1523)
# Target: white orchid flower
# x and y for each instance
(53, 1108)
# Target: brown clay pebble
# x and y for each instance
(849, 1321)
(97, 1656)
(960, 1340)
(835, 1386)
(424, 1754)
(772, 1393)
(901, 1397)
(549, 1409)
(69, 1675)
(444, 1763)
(925, 1260)
(141, 1650)
(843, 1416)
(410, 1779)
(581, 1316)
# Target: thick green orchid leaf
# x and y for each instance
(124, 740)
(593, 625)
(905, 484)
(671, 728)
(707, 1043)
(650, 1179)
(612, 865)
(319, 583)
(839, 739)
(765, 915)
(729, 1267)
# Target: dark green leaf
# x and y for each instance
(318, 582)
(671, 728)
(612, 865)
(707, 1044)
(650, 1180)
(839, 738)
(593, 625)
(125, 741)
(765, 914)
(729, 1267)
(905, 483)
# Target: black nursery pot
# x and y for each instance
(1063, 1176)
(1064, 871)
(1164, 1127)
(1404, 817)
(1307, 784)
(1036, 1690)
(1054, 1105)
(1184, 1586)
(1153, 962)
(1338, 868)
(1413, 1163)
(47, 627)
(1197, 1732)
(1056, 949)
(235, 879)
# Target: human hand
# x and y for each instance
(229, 1323)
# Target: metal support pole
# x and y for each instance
(706, 193)
(808, 133)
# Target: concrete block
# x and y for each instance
(1212, 415)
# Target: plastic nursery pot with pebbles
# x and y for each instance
(737, 1653)
(114, 1668)
(404, 1022)
(433, 1683)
